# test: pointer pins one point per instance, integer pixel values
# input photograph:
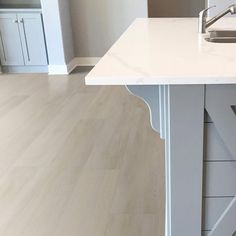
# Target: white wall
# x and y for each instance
(97, 24)
(51, 17)
(220, 6)
(67, 35)
(56, 16)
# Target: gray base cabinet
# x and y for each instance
(10, 45)
(198, 123)
(32, 37)
(22, 40)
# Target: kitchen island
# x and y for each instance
(189, 85)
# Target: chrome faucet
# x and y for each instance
(204, 24)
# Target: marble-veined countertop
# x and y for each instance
(167, 51)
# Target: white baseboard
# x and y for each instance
(87, 61)
(72, 65)
(57, 70)
(67, 69)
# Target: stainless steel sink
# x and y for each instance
(221, 36)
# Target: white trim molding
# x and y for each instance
(75, 62)
(87, 61)
(57, 70)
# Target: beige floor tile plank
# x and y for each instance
(133, 225)
(87, 212)
(141, 183)
(77, 160)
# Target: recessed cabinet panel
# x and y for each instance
(215, 148)
(32, 36)
(220, 179)
(10, 43)
(213, 208)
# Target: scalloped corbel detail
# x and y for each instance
(150, 95)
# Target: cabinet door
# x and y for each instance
(10, 43)
(33, 41)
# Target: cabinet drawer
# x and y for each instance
(219, 179)
(214, 147)
(213, 208)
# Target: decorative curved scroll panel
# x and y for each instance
(221, 107)
(150, 95)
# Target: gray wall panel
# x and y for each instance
(98, 24)
(174, 8)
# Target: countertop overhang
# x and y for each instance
(167, 51)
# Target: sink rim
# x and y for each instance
(221, 40)
(221, 36)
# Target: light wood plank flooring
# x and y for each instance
(77, 160)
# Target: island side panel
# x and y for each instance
(220, 161)
(184, 159)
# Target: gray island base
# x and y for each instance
(189, 85)
(198, 123)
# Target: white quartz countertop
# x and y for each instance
(167, 51)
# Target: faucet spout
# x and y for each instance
(204, 24)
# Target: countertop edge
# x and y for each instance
(158, 81)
